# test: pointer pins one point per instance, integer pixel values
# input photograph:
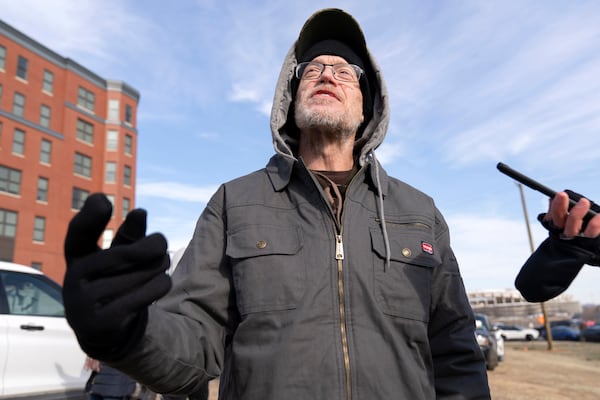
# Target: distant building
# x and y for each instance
(507, 305)
(65, 132)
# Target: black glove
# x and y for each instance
(107, 292)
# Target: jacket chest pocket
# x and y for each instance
(403, 289)
(267, 272)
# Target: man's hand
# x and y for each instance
(571, 221)
(107, 292)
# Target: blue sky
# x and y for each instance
(471, 83)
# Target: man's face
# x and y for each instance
(327, 103)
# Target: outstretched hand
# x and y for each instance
(106, 292)
(572, 221)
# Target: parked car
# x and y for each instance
(563, 332)
(39, 353)
(515, 332)
(591, 333)
(497, 333)
(488, 345)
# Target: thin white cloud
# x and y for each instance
(490, 250)
(78, 29)
(389, 152)
(560, 120)
(472, 92)
(177, 228)
(176, 191)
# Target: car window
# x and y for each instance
(28, 294)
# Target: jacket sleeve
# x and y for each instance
(183, 346)
(552, 267)
(459, 366)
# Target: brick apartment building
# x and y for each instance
(65, 133)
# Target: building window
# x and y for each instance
(78, 198)
(18, 104)
(18, 142)
(39, 226)
(110, 173)
(86, 99)
(36, 265)
(2, 57)
(10, 180)
(22, 64)
(128, 114)
(107, 238)
(48, 84)
(8, 223)
(112, 140)
(0, 93)
(126, 206)
(45, 151)
(113, 110)
(85, 131)
(111, 198)
(42, 189)
(128, 144)
(82, 165)
(127, 175)
(45, 116)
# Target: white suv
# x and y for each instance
(39, 354)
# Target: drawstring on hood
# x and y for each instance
(381, 213)
(334, 24)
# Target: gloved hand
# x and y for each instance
(106, 293)
(593, 206)
(547, 222)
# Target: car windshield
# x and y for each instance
(28, 294)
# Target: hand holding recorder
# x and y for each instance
(569, 213)
(574, 226)
(573, 219)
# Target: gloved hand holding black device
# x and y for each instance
(107, 292)
(574, 197)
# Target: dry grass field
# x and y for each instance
(570, 371)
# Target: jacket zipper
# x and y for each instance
(339, 256)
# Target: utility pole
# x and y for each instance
(532, 247)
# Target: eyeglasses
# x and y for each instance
(310, 71)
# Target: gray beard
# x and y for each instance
(340, 126)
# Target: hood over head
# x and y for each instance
(337, 32)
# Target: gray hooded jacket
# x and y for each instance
(279, 301)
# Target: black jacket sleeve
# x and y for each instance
(550, 270)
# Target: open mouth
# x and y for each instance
(324, 94)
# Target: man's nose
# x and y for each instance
(328, 74)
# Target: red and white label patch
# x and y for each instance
(427, 247)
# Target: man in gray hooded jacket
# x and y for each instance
(317, 277)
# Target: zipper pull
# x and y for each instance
(339, 247)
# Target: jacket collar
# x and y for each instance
(280, 168)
